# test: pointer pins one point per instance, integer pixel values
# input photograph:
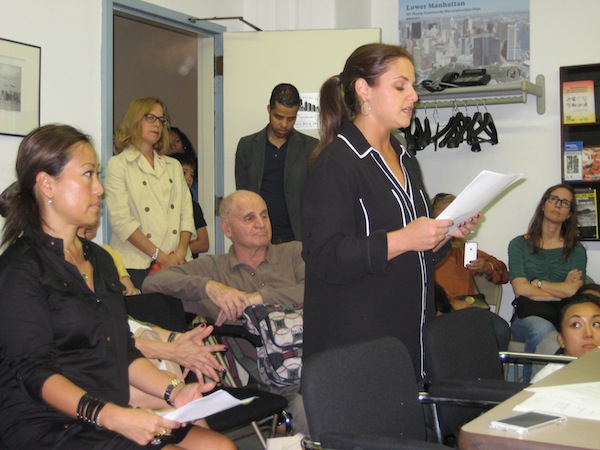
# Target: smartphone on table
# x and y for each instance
(523, 423)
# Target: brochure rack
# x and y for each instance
(580, 141)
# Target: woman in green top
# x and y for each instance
(547, 263)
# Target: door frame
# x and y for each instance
(210, 48)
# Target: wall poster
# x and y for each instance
(452, 36)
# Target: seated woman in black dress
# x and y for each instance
(67, 356)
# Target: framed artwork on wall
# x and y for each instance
(19, 87)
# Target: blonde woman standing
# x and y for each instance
(149, 203)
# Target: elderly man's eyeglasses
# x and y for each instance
(152, 118)
(561, 202)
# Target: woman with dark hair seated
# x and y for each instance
(546, 264)
(549, 344)
(578, 330)
(68, 357)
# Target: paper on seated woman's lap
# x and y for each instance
(477, 195)
(204, 407)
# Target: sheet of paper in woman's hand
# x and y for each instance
(477, 195)
(205, 406)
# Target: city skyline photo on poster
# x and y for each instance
(452, 36)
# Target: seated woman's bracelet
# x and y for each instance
(88, 410)
(174, 382)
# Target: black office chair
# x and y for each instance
(167, 312)
(463, 367)
(242, 347)
(158, 309)
(266, 409)
(264, 413)
(364, 396)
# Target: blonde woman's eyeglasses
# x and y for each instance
(152, 118)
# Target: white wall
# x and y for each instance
(268, 15)
(69, 32)
(249, 51)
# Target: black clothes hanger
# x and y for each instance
(481, 124)
(436, 117)
(488, 127)
(452, 138)
(409, 136)
(423, 134)
(460, 128)
(460, 133)
(475, 128)
(449, 127)
(418, 133)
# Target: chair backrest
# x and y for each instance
(241, 358)
(364, 388)
(492, 292)
(158, 309)
(462, 345)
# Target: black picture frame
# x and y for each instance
(19, 87)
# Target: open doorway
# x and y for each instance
(159, 52)
(154, 61)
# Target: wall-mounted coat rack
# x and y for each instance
(496, 94)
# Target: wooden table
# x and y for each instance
(572, 434)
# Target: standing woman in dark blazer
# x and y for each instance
(368, 240)
(67, 357)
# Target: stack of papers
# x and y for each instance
(477, 195)
(580, 400)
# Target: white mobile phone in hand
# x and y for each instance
(470, 252)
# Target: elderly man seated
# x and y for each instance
(253, 272)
